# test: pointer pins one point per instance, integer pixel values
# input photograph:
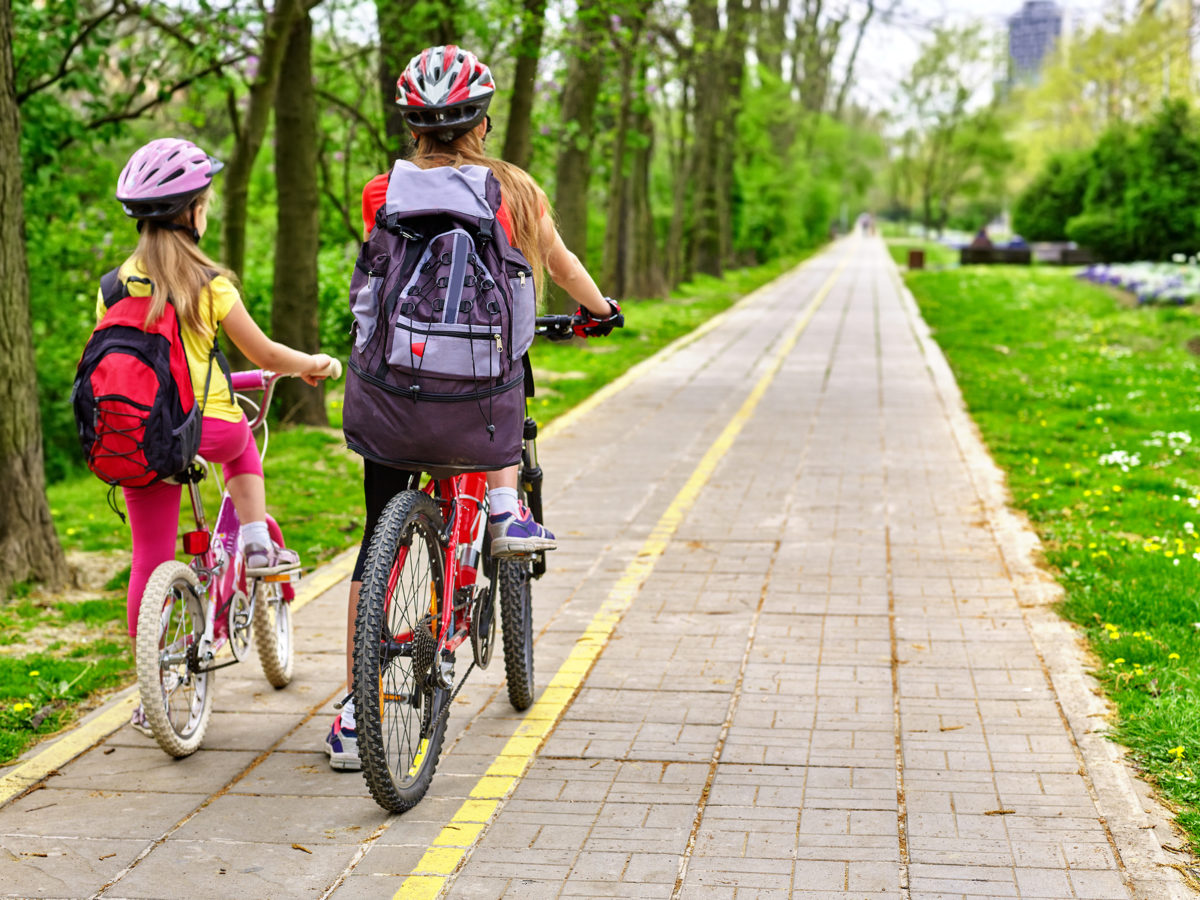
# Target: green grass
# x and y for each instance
(936, 255)
(314, 489)
(1062, 380)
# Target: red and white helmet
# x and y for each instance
(445, 91)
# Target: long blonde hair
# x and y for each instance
(525, 200)
(176, 266)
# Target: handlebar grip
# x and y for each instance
(253, 380)
(332, 371)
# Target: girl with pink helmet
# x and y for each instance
(165, 186)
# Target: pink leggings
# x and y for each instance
(154, 509)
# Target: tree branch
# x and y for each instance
(162, 97)
(354, 113)
(64, 63)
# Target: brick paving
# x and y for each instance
(840, 679)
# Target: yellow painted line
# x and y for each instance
(87, 734)
(573, 415)
(442, 859)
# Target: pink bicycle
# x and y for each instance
(191, 612)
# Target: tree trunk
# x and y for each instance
(249, 134)
(518, 138)
(584, 72)
(647, 277)
(615, 268)
(734, 69)
(710, 104)
(28, 544)
(295, 310)
(678, 263)
(406, 27)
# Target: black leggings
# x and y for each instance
(380, 484)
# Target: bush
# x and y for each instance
(1103, 231)
(1054, 197)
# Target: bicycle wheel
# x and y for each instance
(177, 700)
(273, 633)
(398, 698)
(516, 607)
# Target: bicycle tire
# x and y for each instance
(273, 633)
(516, 607)
(398, 700)
(173, 595)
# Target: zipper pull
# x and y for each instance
(499, 344)
(522, 279)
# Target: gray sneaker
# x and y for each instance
(271, 560)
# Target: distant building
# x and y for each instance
(1032, 33)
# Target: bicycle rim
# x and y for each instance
(399, 704)
(177, 700)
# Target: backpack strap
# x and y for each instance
(111, 288)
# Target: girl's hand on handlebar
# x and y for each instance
(590, 324)
(325, 367)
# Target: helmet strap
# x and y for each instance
(189, 230)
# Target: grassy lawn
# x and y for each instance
(1092, 409)
(936, 255)
(60, 654)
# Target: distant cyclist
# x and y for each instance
(444, 94)
(165, 186)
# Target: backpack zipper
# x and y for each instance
(455, 334)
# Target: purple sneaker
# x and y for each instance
(517, 535)
(271, 560)
(341, 746)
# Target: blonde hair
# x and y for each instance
(525, 200)
(177, 268)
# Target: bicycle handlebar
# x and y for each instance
(264, 380)
(562, 328)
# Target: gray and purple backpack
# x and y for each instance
(444, 312)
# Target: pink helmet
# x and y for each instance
(445, 90)
(162, 178)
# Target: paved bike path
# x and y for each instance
(796, 646)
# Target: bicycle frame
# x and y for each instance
(462, 500)
(217, 555)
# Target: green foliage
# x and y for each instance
(1163, 199)
(1101, 230)
(1054, 196)
(1089, 408)
(1143, 189)
(793, 170)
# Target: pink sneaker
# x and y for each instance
(271, 560)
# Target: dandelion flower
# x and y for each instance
(34, 674)
(1172, 656)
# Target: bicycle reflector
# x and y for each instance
(196, 542)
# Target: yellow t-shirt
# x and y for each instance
(198, 345)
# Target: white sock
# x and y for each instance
(256, 533)
(348, 714)
(502, 501)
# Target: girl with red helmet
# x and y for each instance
(444, 95)
(165, 186)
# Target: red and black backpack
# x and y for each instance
(135, 410)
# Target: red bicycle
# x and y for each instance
(190, 612)
(421, 600)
